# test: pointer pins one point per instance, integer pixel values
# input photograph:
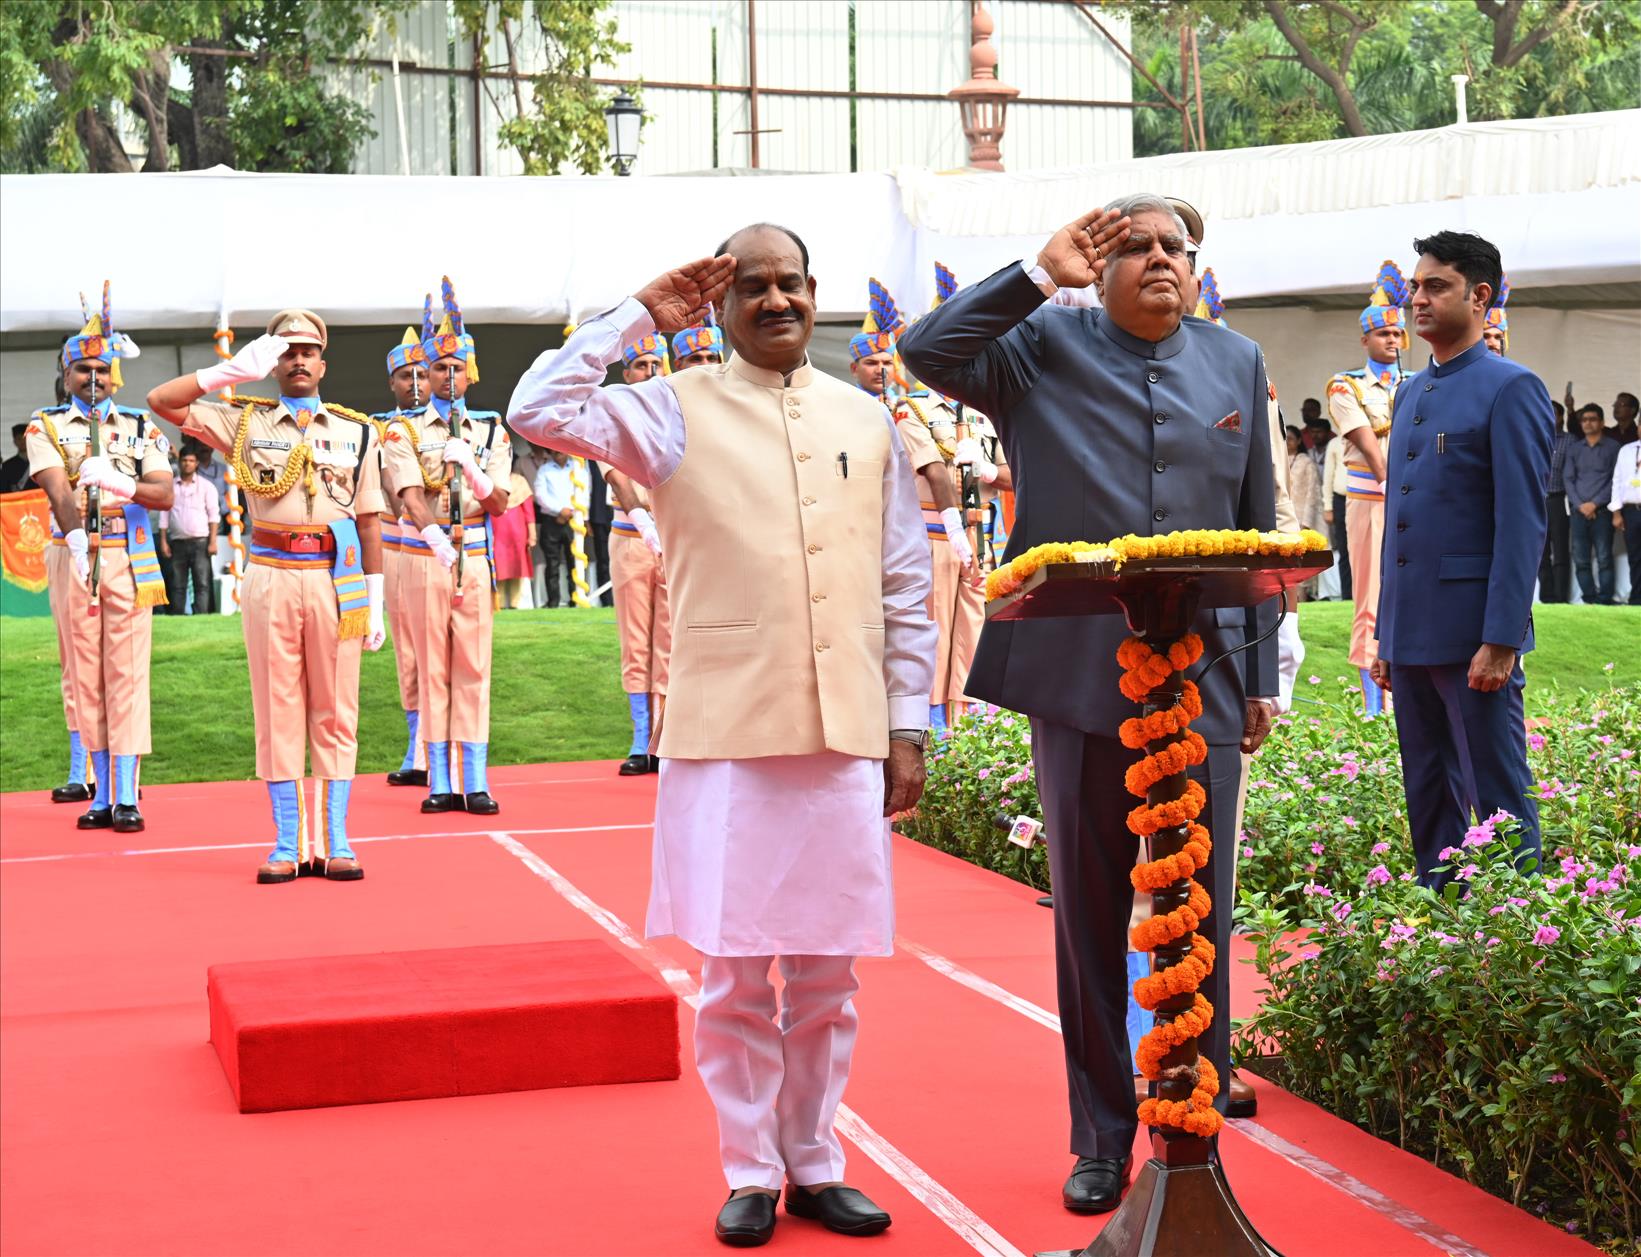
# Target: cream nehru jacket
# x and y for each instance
(772, 530)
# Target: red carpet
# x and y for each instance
(423, 1024)
(118, 1133)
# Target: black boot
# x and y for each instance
(73, 792)
(96, 818)
(407, 777)
(127, 820)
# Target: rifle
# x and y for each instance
(455, 481)
(94, 506)
(971, 489)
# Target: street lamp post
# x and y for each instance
(622, 120)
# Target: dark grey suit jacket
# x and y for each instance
(1107, 434)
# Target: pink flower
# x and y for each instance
(1247, 853)
(1558, 1077)
(1449, 853)
(1379, 848)
(1535, 741)
(1545, 935)
(1378, 875)
(1309, 953)
(1349, 822)
(1467, 872)
(1314, 680)
(1341, 910)
(1317, 848)
(1316, 888)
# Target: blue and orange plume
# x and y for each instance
(882, 310)
(1391, 283)
(448, 340)
(945, 284)
(452, 311)
(1384, 308)
(1495, 316)
(1210, 305)
(427, 317)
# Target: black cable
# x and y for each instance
(1236, 650)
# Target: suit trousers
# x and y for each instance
(558, 563)
(776, 1079)
(1632, 549)
(189, 561)
(1340, 536)
(1555, 570)
(1090, 852)
(1464, 753)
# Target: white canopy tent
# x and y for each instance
(1291, 228)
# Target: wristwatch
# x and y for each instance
(917, 737)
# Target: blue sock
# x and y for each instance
(638, 707)
(287, 807)
(105, 779)
(413, 722)
(937, 718)
(1373, 698)
(76, 759)
(438, 768)
(336, 820)
(125, 780)
(1139, 1021)
(474, 755)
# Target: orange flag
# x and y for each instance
(25, 532)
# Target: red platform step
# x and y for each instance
(415, 1025)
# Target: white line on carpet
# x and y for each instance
(1408, 1219)
(964, 1222)
(16, 804)
(240, 846)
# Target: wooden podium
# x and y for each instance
(1181, 1204)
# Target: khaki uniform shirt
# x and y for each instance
(132, 454)
(405, 464)
(347, 467)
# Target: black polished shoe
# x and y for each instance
(407, 777)
(746, 1221)
(634, 766)
(96, 818)
(1096, 1184)
(655, 763)
(127, 820)
(840, 1209)
(73, 792)
(442, 803)
(479, 803)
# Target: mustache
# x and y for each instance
(771, 316)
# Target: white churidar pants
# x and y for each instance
(776, 1081)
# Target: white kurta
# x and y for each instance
(785, 855)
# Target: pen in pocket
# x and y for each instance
(1441, 442)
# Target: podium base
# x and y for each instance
(1176, 1211)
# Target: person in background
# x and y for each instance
(1555, 569)
(554, 510)
(1625, 505)
(1310, 413)
(1624, 416)
(1305, 488)
(188, 537)
(600, 519)
(513, 535)
(14, 477)
(1335, 481)
(1588, 477)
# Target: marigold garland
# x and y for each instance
(1144, 671)
(1192, 542)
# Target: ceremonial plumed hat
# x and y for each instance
(299, 327)
(1210, 305)
(655, 345)
(1189, 216)
(882, 324)
(407, 351)
(945, 284)
(448, 340)
(97, 339)
(1384, 308)
(703, 336)
(1495, 312)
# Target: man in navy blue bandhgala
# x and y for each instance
(1464, 530)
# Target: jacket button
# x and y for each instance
(1160, 465)
(1401, 560)
(816, 597)
(1152, 376)
(811, 501)
(819, 646)
(1430, 388)
(813, 548)
(1418, 418)
(803, 458)
(1406, 489)
(1401, 525)
(1159, 514)
(1159, 419)
(1410, 456)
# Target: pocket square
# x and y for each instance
(1231, 423)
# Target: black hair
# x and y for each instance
(1629, 397)
(1294, 432)
(1310, 401)
(1589, 406)
(803, 249)
(17, 429)
(1476, 259)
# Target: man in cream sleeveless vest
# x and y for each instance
(797, 705)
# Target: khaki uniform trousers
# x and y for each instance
(1365, 526)
(108, 656)
(59, 572)
(304, 677)
(951, 667)
(396, 597)
(641, 615)
(452, 644)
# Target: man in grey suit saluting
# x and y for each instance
(1133, 418)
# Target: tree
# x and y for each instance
(72, 72)
(1276, 72)
(564, 122)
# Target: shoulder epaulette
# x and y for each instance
(133, 411)
(384, 416)
(261, 403)
(484, 414)
(354, 415)
(51, 410)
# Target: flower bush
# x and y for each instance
(1495, 1028)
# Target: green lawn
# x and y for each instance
(556, 693)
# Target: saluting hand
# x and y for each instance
(1075, 256)
(679, 299)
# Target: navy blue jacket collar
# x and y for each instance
(1165, 348)
(1475, 353)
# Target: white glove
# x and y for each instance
(642, 521)
(125, 346)
(99, 471)
(79, 545)
(253, 362)
(460, 452)
(1290, 653)
(437, 542)
(957, 535)
(376, 634)
(969, 451)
